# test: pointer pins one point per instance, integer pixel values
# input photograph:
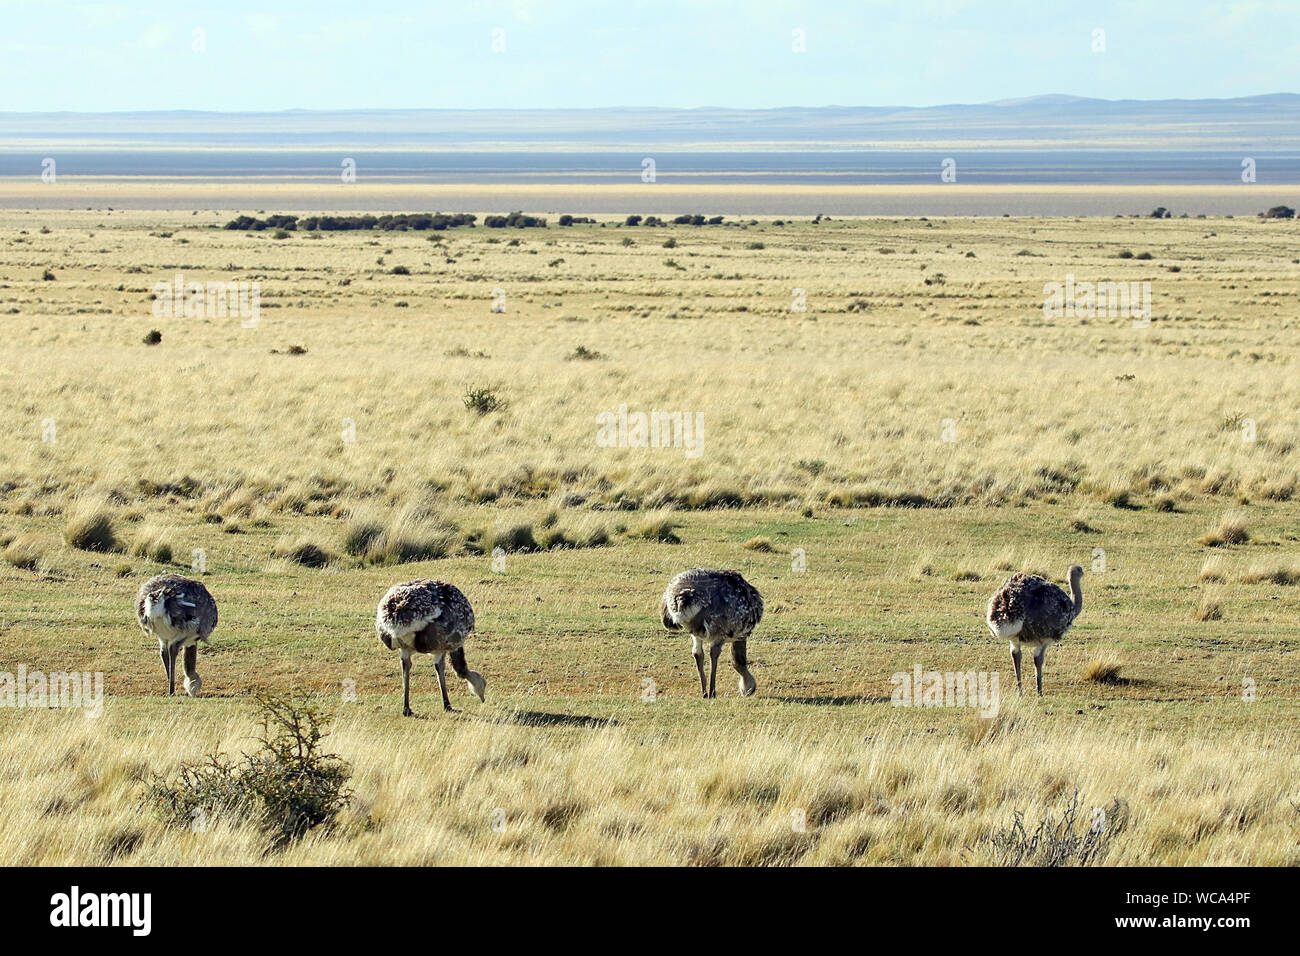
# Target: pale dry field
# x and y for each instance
(668, 197)
(825, 431)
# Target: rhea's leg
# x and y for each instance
(166, 661)
(440, 665)
(192, 679)
(714, 651)
(474, 679)
(406, 684)
(1039, 653)
(171, 669)
(1015, 659)
(698, 650)
(741, 663)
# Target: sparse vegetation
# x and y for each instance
(1103, 668)
(1231, 530)
(299, 550)
(1064, 839)
(91, 529)
(24, 552)
(287, 787)
(820, 435)
(484, 400)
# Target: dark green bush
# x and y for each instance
(483, 400)
(287, 787)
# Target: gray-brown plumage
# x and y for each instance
(428, 617)
(1030, 610)
(179, 612)
(715, 608)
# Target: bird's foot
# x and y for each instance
(407, 712)
(448, 709)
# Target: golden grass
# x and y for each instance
(1230, 531)
(1208, 607)
(1104, 667)
(825, 434)
(24, 552)
(495, 789)
(778, 389)
(152, 540)
(1284, 575)
(301, 549)
(1212, 571)
(91, 529)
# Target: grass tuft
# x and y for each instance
(1231, 530)
(301, 551)
(24, 552)
(1207, 608)
(1104, 668)
(661, 529)
(92, 530)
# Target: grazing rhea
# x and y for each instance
(179, 612)
(1030, 610)
(716, 608)
(428, 617)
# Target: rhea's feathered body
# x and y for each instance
(179, 612)
(715, 608)
(1030, 610)
(425, 616)
(428, 617)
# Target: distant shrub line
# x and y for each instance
(416, 221)
(423, 221)
(516, 220)
(686, 220)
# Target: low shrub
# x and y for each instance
(288, 786)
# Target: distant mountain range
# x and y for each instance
(1269, 122)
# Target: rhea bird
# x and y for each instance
(1028, 610)
(179, 612)
(715, 608)
(428, 617)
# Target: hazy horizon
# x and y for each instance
(1026, 99)
(235, 56)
